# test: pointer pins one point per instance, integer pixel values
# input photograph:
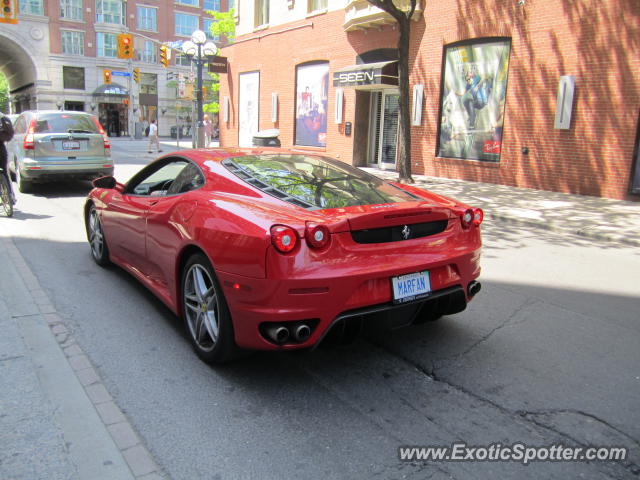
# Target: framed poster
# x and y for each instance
(473, 97)
(249, 96)
(312, 89)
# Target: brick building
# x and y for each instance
(534, 93)
(57, 53)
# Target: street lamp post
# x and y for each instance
(197, 50)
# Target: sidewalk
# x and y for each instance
(57, 420)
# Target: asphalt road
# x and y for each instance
(547, 353)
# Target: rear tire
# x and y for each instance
(205, 312)
(24, 186)
(95, 235)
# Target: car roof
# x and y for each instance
(66, 112)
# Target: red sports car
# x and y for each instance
(276, 249)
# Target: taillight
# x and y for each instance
(478, 216)
(107, 144)
(284, 238)
(29, 139)
(317, 235)
(471, 216)
(467, 218)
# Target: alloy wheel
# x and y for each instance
(96, 238)
(201, 307)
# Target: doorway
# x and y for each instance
(383, 128)
(114, 119)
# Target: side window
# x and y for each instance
(190, 178)
(158, 181)
(21, 125)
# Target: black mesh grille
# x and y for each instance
(399, 233)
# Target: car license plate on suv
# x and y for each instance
(71, 145)
(410, 287)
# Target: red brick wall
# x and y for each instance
(595, 40)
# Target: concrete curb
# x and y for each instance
(104, 444)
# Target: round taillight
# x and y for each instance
(284, 238)
(467, 218)
(317, 235)
(478, 216)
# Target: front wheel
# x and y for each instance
(206, 313)
(95, 235)
(5, 196)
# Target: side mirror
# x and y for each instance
(104, 182)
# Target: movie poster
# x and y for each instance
(248, 108)
(312, 88)
(473, 98)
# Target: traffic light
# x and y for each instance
(106, 74)
(204, 92)
(136, 75)
(164, 56)
(125, 45)
(9, 12)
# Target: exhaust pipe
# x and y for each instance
(474, 288)
(302, 332)
(278, 333)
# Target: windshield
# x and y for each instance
(314, 182)
(65, 123)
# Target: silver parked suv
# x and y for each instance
(51, 145)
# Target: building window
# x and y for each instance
(72, 42)
(149, 52)
(110, 11)
(147, 18)
(186, 24)
(71, 9)
(315, 5)
(33, 7)
(472, 104)
(261, 12)
(312, 89)
(73, 77)
(106, 44)
(191, 3)
(213, 5)
(149, 83)
(206, 24)
(182, 60)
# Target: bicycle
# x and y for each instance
(6, 202)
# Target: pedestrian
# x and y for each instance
(6, 134)
(153, 137)
(208, 130)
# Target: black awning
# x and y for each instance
(111, 90)
(367, 75)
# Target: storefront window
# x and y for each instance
(312, 88)
(473, 99)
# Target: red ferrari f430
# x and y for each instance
(277, 249)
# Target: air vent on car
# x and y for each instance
(399, 232)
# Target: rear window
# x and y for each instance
(65, 123)
(314, 182)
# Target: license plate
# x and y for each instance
(71, 145)
(412, 286)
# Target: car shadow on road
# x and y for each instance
(70, 188)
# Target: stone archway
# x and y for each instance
(20, 69)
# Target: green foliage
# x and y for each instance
(224, 24)
(4, 94)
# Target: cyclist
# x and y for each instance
(6, 134)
